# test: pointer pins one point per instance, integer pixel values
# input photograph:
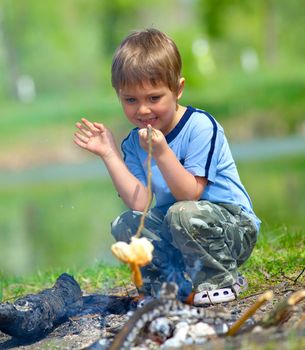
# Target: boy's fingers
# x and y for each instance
(99, 126)
(80, 143)
(85, 130)
(81, 137)
(89, 125)
(143, 132)
(81, 127)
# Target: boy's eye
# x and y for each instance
(130, 100)
(155, 98)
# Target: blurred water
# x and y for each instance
(53, 173)
(268, 148)
(252, 150)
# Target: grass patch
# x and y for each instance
(277, 256)
(97, 278)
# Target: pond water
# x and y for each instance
(247, 151)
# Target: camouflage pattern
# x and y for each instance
(198, 245)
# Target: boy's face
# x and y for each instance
(152, 104)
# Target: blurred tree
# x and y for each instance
(116, 18)
(64, 45)
(51, 41)
(263, 24)
(12, 23)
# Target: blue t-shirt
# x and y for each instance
(199, 143)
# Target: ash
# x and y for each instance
(101, 319)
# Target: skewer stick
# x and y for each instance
(283, 310)
(136, 271)
(138, 253)
(249, 312)
(149, 174)
(136, 275)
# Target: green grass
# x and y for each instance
(278, 256)
(96, 278)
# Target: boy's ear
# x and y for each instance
(180, 89)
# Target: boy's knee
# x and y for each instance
(187, 213)
(177, 213)
(124, 226)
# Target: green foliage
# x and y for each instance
(265, 103)
(270, 27)
(44, 40)
(68, 45)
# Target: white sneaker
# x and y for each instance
(221, 295)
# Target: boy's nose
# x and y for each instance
(144, 109)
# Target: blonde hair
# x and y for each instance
(146, 56)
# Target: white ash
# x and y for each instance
(179, 336)
(181, 328)
(161, 327)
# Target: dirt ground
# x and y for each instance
(80, 332)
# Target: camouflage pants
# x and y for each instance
(198, 245)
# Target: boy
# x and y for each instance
(202, 226)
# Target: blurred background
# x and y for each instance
(243, 62)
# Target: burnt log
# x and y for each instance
(35, 315)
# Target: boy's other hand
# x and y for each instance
(95, 137)
(157, 138)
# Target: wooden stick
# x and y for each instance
(149, 174)
(299, 322)
(299, 275)
(249, 312)
(136, 274)
(283, 310)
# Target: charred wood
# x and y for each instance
(34, 315)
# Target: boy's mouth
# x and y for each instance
(147, 121)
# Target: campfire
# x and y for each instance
(164, 322)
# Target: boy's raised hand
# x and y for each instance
(95, 138)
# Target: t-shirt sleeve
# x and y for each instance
(203, 151)
(132, 160)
